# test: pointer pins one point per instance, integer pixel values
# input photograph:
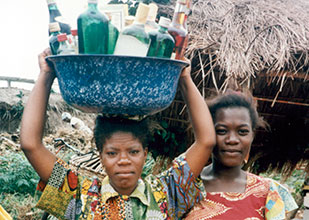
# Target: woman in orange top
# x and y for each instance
(230, 192)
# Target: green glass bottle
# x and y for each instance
(113, 34)
(92, 28)
(133, 40)
(162, 43)
(55, 16)
(54, 29)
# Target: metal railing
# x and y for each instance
(15, 79)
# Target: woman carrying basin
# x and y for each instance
(122, 144)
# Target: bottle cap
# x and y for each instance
(142, 13)
(74, 32)
(62, 37)
(51, 2)
(164, 22)
(153, 10)
(93, 1)
(54, 27)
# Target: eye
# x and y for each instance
(134, 152)
(221, 131)
(243, 132)
(111, 153)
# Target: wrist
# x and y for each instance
(183, 79)
(46, 77)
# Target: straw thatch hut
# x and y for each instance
(260, 45)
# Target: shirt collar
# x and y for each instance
(107, 191)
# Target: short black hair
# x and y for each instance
(105, 127)
(235, 99)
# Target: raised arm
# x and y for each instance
(199, 152)
(33, 120)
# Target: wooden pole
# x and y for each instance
(282, 101)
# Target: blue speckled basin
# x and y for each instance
(117, 84)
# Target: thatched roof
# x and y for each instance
(261, 45)
(246, 38)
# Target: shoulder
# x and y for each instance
(178, 176)
(279, 199)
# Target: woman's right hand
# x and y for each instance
(45, 67)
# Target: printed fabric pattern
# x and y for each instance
(263, 199)
(169, 195)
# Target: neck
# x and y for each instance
(222, 172)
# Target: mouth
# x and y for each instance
(124, 174)
(231, 152)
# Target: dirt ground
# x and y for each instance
(12, 101)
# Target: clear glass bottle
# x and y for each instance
(74, 40)
(64, 46)
(54, 29)
(162, 43)
(178, 27)
(55, 16)
(133, 40)
(151, 24)
(92, 30)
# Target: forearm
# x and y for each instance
(32, 125)
(198, 154)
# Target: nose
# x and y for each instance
(232, 138)
(124, 159)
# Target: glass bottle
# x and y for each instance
(54, 29)
(74, 40)
(151, 18)
(64, 47)
(92, 30)
(178, 27)
(133, 40)
(162, 43)
(113, 34)
(55, 16)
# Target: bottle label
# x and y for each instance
(130, 46)
(181, 49)
(61, 19)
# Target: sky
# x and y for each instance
(24, 34)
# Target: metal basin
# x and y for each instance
(123, 85)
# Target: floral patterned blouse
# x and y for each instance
(169, 195)
(263, 199)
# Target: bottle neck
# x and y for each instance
(180, 19)
(180, 14)
(163, 30)
(52, 7)
(92, 6)
(138, 23)
(55, 33)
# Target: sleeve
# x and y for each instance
(61, 195)
(180, 187)
(279, 201)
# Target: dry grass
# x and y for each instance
(246, 37)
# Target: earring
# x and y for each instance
(247, 158)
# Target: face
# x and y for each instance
(234, 136)
(123, 157)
